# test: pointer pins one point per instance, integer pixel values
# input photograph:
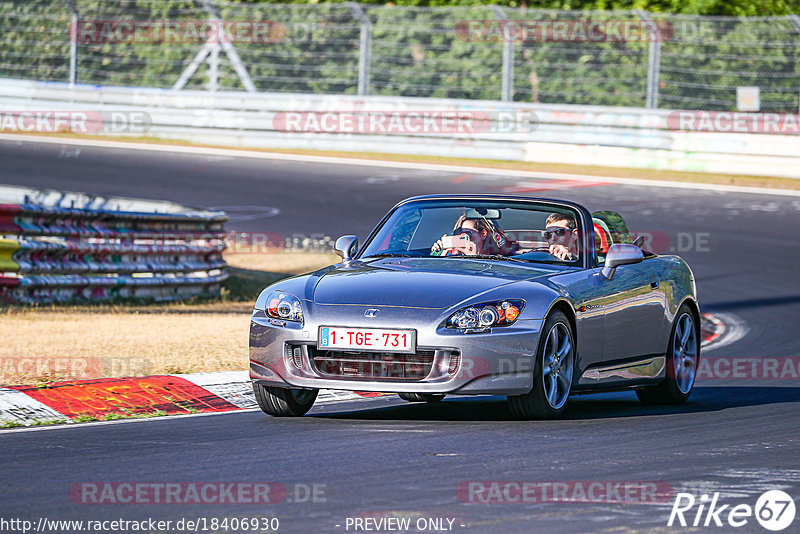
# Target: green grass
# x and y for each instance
(246, 284)
(87, 418)
(121, 414)
(36, 422)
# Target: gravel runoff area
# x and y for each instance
(47, 344)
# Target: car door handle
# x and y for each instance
(654, 284)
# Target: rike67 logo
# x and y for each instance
(774, 510)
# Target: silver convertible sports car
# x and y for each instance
(481, 295)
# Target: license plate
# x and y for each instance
(366, 339)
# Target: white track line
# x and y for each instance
(244, 153)
(116, 421)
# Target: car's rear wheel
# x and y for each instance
(553, 371)
(282, 402)
(683, 357)
(421, 397)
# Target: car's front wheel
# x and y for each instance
(421, 397)
(683, 357)
(281, 402)
(553, 370)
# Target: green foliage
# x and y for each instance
(612, 73)
(736, 8)
(417, 51)
(36, 422)
(84, 418)
(708, 59)
(242, 284)
(10, 424)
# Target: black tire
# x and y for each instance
(281, 402)
(674, 389)
(536, 405)
(421, 397)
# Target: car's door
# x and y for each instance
(634, 309)
(587, 293)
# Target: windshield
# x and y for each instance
(502, 230)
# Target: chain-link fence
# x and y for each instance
(617, 58)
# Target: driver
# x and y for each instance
(562, 234)
(483, 238)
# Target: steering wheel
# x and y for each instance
(541, 248)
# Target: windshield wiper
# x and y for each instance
(388, 255)
(487, 257)
(501, 258)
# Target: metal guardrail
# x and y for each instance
(589, 135)
(58, 248)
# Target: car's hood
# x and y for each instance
(419, 282)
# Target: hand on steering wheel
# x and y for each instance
(561, 252)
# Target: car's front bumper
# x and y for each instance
(499, 361)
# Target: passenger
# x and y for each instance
(483, 238)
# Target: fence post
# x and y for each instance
(507, 90)
(211, 49)
(795, 20)
(73, 43)
(653, 60)
(213, 68)
(364, 47)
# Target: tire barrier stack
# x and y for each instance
(106, 250)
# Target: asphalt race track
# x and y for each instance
(383, 457)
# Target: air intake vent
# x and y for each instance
(373, 364)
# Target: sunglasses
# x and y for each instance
(555, 231)
(469, 231)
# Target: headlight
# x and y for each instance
(502, 313)
(284, 306)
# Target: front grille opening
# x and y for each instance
(385, 365)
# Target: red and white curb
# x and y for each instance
(720, 329)
(104, 398)
(84, 400)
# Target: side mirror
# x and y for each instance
(346, 247)
(621, 254)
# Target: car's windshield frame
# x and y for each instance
(587, 254)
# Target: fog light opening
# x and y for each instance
(295, 356)
(455, 363)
